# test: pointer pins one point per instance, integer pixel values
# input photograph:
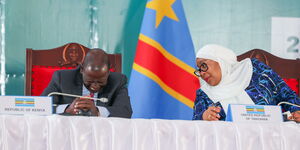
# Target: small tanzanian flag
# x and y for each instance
(255, 109)
(24, 102)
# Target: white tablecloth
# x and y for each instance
(89, 133)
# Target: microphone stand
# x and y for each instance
(288, 113)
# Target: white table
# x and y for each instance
(89, 133)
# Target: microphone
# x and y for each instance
(288, 104)
(103, 100)
(81, 112)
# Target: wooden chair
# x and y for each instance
(288, 69)
(41, 64)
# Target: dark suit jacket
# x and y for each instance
(71, 82)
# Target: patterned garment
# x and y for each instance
(265, 88)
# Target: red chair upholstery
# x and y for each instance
(288, 69)
(41, 64)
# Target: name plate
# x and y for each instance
(37, 105)
(254, 113)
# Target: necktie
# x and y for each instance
(92, 95)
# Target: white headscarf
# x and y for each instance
(236, 76)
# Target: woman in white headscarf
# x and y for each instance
(225, 81)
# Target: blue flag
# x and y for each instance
(162, 84)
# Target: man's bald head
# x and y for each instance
(95, 60)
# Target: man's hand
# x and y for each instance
(295, 116)
(82, 104)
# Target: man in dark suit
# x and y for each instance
(92, 79)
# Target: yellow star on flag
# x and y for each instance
(163, 8)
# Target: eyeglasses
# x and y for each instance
(203, 68)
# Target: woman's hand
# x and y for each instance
(295, 116)
(211, 114)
